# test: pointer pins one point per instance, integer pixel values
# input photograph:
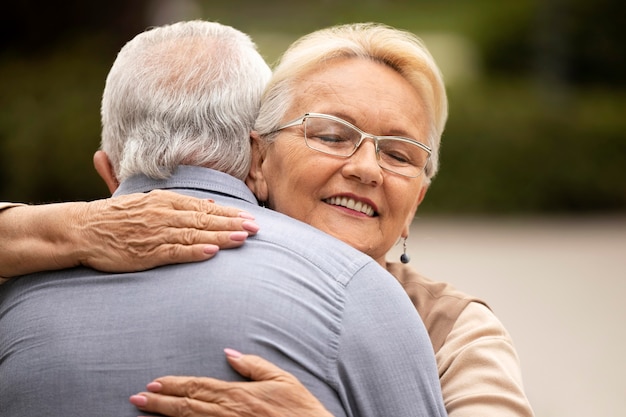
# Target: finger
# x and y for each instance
(188, 203)
(165, 241)
(214, 222)
(186, 237)
(199, 221)
(167, 254)
(226, 394)
(177, 406)
(256, 368)
(199, 388)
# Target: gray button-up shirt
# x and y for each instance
(79, 342)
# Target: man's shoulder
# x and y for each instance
(324, 251)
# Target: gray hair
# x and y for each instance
(183, 94)
(402, 51)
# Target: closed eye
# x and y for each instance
(328, 138)
(396, 158)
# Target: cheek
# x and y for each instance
(294, 162)
(285, 170)
(404, 201)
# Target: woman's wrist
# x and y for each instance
(37, 238)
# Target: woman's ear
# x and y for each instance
(103, 166)
(256, 180)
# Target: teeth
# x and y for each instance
(351, 204)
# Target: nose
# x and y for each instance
(363, 164)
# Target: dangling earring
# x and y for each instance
(404, 258)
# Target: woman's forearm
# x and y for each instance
(121, 234)
(37, 238)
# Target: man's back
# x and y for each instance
(79, 342)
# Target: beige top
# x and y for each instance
(478, 367)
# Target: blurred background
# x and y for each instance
(529, 208)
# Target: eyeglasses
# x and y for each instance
(334, 136)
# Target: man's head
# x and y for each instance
(181, 94)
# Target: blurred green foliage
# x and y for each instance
(536, 124)
(50, 125)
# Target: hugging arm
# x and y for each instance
(120, 234)
(272, 393)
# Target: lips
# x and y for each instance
(351, 204)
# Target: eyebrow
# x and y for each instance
(351, 120)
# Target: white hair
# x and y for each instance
(183, 94)
(400, 50)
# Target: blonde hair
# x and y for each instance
(401, 50)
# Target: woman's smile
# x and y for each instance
(352, 204)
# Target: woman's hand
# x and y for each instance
(272, 393)
(141, 231)
(121, 234)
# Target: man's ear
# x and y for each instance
(256, 180)
(103, 166)
(418, 201)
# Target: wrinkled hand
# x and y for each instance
(141, 231)
(273, 393)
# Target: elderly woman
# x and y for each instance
(347, 140)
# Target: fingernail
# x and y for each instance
(238, 236)
(250, 226)
(232, 353)
(245, 215)
(154, 386)
(211, 249)
(138, 400)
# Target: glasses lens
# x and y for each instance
(330, 136)
(402, 156)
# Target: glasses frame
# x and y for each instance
(364, 135)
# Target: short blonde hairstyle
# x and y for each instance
(400, 50)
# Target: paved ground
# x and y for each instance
(559, 286)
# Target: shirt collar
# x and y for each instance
(189, 177)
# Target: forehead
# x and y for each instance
(369, 94)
